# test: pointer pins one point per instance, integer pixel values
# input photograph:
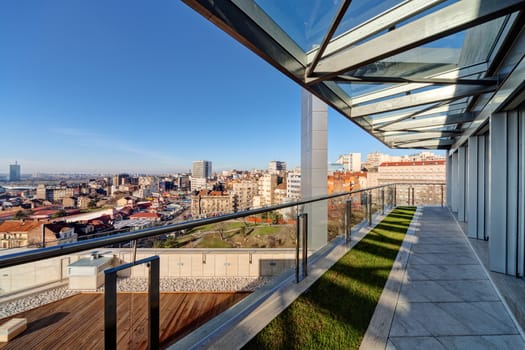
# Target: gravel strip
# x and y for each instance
(35, 300)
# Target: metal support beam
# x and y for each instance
(427, 97)
(449, 20)
(418, 136)
(415, 123)
(436, 144)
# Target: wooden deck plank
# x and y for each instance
(77, 321)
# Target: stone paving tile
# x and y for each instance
(489, 342)
(465, 258)
(445, 272)
(414, 343)
(441, 319)
(440, 248)
(448, 291)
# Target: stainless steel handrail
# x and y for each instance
(68, 248)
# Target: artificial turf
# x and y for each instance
(335, 311)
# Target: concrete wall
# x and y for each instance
(173, 263)
(27, 276)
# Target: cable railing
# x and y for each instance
(330, 217)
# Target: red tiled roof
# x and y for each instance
(19, 226)
(145, 216)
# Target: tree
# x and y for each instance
(92, 204)
(220, 227)
(60, 213)
(19, 215)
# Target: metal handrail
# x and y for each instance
(9, 260)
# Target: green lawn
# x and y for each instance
(335, 311)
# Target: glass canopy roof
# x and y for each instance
(414, 74)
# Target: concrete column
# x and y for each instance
(314, 166)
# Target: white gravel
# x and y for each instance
(33, 301)
(226, 284)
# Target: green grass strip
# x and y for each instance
(335, 311)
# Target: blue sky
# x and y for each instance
(109, 86)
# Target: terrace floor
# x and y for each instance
(77, 322)
(444, 298)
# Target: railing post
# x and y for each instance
(395, 196)
(369, 208)
(305, 245)
(110, 302)
(412, 195)
(408, 195)
(154, 304)
(302, 236)
(383, 201)
(297, 241)
(442, 196)
(110, 311)
(348, 220)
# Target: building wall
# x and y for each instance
(487, 187)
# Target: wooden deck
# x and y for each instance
(77, 322)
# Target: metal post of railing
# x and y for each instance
(369, 208)
(408, 195)
(154, 304)
(297, 242)
(110, 302)
(110, 311)
(413, 196)
(395, 196)
(348, 220)
(383, 201)
(305, 245)
(441, 195)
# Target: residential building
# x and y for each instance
(206, 203)
(276, 167)
(345, 181)
(20, 233)
(351, 161)
(267, 185)
(245, 191)
(293, 185)
(53, 193)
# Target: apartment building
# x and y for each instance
(208, 203)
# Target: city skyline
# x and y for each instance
(149, 93)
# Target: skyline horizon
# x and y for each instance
(188, 169)
(151, 92)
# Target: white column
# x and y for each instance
(454, 181)
(462, 174)
(472, 184)
(314, 166)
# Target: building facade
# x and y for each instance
(14, 172)
(201, 168)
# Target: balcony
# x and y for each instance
(437, 294)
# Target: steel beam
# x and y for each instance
(427, 97)
(449, 20)
(419, 136)
(415, 123)
(427, 144)
(376, 24)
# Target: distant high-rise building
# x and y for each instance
(201, 168)
(14, 172)
(276, 166)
